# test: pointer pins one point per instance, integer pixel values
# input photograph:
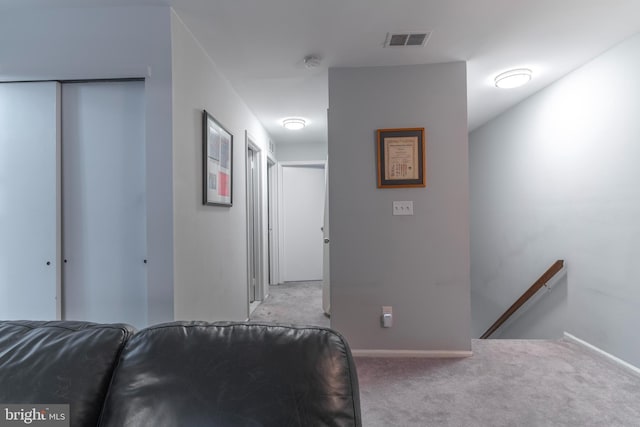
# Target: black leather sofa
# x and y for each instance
(181, 374)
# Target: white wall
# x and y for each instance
(301, 152)
(556, 177)
(114, 42)
(417, 264)
(210, 241)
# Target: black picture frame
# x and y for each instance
(401, 158)
(217, 162)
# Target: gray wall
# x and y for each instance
(210, 241)
(112, 42)
(557, 177)
(301, 152)
(417, 264)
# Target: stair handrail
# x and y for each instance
(533, 289)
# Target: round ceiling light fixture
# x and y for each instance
(513, 78)
(294, 123)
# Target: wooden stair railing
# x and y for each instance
(542, 280)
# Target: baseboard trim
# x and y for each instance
(601, 352)
(432, 354)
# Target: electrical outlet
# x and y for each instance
(403, 207)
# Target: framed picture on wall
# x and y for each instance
(217, 165)
(401, 158)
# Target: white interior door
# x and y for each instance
(104, 214)
(302, 213)
(29, 190)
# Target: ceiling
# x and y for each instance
(259, 45)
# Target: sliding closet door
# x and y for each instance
(104, 226)
(28, 200)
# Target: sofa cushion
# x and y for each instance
(234, 374)
(61, 362)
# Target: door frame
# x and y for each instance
(272, 223)
(255, 252)
(280, 215)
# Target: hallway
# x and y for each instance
(293, 302)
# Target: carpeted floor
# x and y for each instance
(523, 383)
(293, 302)
(505, 383)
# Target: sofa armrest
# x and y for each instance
(60, 362)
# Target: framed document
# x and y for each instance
(401, 158)
(217, 162)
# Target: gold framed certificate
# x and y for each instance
(401, 158)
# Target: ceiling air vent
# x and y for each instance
(414, 38)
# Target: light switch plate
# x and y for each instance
(403, 207)
(387, 316)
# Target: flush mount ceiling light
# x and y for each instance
(294, 123)
(513, 78)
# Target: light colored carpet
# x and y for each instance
(293, 302)
(532, 383)
(523, 383)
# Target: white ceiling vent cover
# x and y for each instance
(407, 38)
